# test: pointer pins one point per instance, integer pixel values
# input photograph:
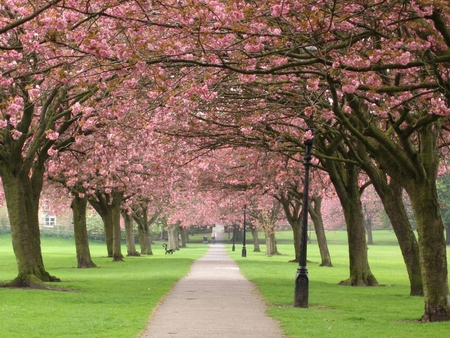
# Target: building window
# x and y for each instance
(49, 221)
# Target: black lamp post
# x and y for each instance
(234, 238)
(244, 249)
(302, 280)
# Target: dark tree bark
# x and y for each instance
(117, 233)
(271, 244)
(143, 221)
(391, 195)
(292, 207)
(108, 207)
(344, 176)
(368, 225)
(255, 239)
(84, 259)
(22, 194)
(315, 212)
(129, 234)
(447, 232)
(183, 236)
(413, 160)
(174, 232)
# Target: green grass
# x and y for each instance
(340, 311)
(117, 299)
(114, 300)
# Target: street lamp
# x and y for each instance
(234, 237)
(244, 249)
(302, 280)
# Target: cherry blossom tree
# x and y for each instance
(58, 62)
(384, 68)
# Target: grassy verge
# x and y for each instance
(340, 311)
(117, 299)
(114, 300)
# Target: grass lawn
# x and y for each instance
(340, 311)
(112, 301)
(117, 299)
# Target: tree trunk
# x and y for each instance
(430, 229)
(292, 210)
(418, 177)
(84, 259)
(255, 239)
(108, 222)
(144, 239)
(316, 216)
(297, 232)
(117, 233)
(368, 226)
(271, 244)
(391, 195)
(100, 204)
(345, 181)
(108, 207)
(173, 233)
(392, 200)
(447, 232)
(22, 200)
(360, 274)
(183, 233)
(129, 234)
(141, 217)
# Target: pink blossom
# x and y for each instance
(246, 130)
(309, 135)
(276, 10)
(52, 151)
(312, 84)
(351, 86)
(404, 58)
(309, 111)
(15, 134)
(5, 82)
(76, 108)
(253, 48)
(13, 121)
(34, 93)
(439, 107)
(51, 135)
(3, 123)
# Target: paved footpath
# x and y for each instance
(213, 300)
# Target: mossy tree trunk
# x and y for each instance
(117, 199)
(183, 236)
(292, 206)
(412, 159)
(391, 195)
(108, 207)
(174, 232)
(100, 204)
(422, 192)
(255, 239)
(129, 234)
(141, 217)
(84, 259)
(315, 207)
(267, 220)
(271, 244)
(345, 178)
(22, 193)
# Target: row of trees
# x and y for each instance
(202, 106)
